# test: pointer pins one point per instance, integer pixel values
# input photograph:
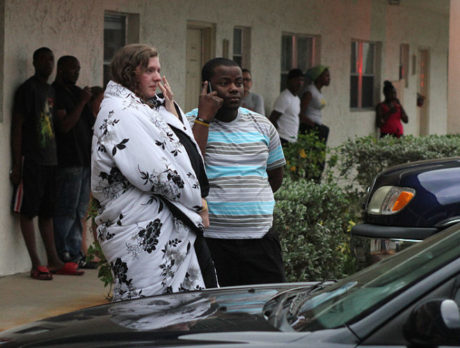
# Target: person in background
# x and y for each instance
(74, 123)
(151, 206)
(312, 103)
(251, 101)
(390, 113)
(420, 100)
(244, 162)
(97, 94)
(285, 114)
(33, 152)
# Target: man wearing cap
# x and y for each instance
(285, 114)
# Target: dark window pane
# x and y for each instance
(238, 60)
(354, 54)
(283, 81)
(114, 35)
(354, 91)
(368, 92)
(304, 53)
(107, 74)
(286, 53)
(237, 43)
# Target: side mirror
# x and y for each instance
(433, 322)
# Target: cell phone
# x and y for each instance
(209, 87)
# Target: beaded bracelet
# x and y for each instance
(201, 121)
(205, 206)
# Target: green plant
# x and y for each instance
(104, 272)
(312, 221)
(95, 252)
(304, 157)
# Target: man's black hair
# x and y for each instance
(40, 51)
(246, 70)
(293, 73)
(208, 69)
(64, 60)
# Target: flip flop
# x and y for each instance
(69, 268)
(41, 273)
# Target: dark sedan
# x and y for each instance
(408, 299)
(412, 201)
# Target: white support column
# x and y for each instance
(453, 85)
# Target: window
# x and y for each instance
(404, 64)
(114, 38)
(363, 77)
(242, 46)
(298, 51)
(119, 29)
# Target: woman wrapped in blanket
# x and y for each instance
(148, 176)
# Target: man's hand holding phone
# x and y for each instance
(209, 103)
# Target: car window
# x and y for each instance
(353, 297)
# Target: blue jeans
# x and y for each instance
(73, 188)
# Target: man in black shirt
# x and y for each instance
(34, 162)
(74, 121)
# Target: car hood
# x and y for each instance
(194, 318)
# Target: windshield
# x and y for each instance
(352, 297)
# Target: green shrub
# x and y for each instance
(312, 221)
(303, 158)
(361, 159)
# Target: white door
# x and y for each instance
(193, 68)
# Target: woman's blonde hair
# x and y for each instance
(127, 59)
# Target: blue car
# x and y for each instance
(412, 201)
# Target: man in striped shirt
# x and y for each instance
(244, 163)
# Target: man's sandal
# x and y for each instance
(41, 273)
(69, 268)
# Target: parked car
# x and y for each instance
(412, 201)
(410, 298)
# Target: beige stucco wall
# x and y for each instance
(454, 68)
(76, 27)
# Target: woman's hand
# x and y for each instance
(204, 213)
(169, 96)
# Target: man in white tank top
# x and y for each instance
(285, 114)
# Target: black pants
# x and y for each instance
(321, 130)
(247, 261)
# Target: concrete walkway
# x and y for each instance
(23, 299)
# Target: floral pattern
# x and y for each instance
(138, 163)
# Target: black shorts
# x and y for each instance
(36, 193)
(247, 261)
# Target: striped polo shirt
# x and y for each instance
(238, 155)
